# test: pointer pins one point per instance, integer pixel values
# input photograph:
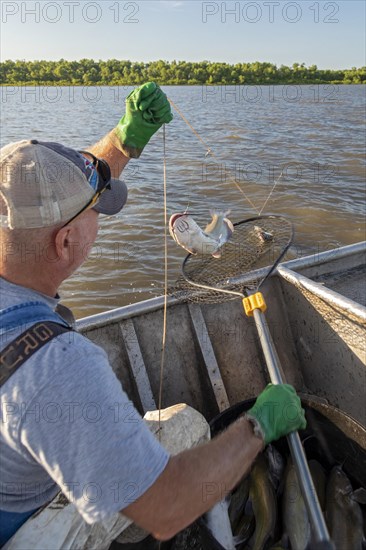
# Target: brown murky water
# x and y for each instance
(314, 134)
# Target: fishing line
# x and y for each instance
(163, 345)
(271, 191)
(210, 152)
(274, 186)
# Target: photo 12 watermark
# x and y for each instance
(89, 491)
(266, 172)
(257, 93)
(70, 12)
(270, 12)
(69, 412)
(88, 94)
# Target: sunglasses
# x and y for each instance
(101, 174)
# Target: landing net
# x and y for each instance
(248, 258)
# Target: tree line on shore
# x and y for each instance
(114, 72)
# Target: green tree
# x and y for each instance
(125, 72)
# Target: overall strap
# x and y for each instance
(24, 346)
(48, 325)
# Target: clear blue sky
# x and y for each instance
(328, 34)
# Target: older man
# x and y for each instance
(50, 199)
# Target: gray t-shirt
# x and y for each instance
(67, 423)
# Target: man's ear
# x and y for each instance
(62, 240)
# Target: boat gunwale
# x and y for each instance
(330, 296)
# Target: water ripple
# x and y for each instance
(317, 141)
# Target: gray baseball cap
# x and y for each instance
(44, 183)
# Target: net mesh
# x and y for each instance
(256, 246)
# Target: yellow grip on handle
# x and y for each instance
(255, 301)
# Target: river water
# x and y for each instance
(313, 135)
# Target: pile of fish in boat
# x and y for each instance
(267, 510)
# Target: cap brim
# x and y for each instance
(112, 200)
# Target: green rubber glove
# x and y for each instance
(277, 412)
(147, 108)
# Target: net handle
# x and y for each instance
(297, 452)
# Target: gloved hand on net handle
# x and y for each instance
(277, 412)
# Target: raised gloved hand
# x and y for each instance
(147, 108)
(277, 412)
